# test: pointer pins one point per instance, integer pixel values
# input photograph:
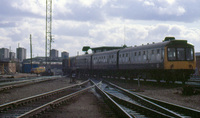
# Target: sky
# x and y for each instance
(95, 23)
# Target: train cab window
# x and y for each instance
(189, 54)
(180, 54)
(171, 54)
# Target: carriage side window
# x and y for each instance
(152, 52)
(143, 52)
(180, 53)
(144, 56)
(139, 53)
(171, 54)
(189, 54)
(158, 51)
(135, 53)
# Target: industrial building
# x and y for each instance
(4, 54)
(11, 55)
(54, 53)
(21, 53)
(7, 67)
(65, 55)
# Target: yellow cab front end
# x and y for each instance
(179, 61)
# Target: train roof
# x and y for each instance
(148, 46)
(159, 45)
(106, 52)
(84, 55)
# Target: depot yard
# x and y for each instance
(88, 105)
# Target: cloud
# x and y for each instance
(114, 33)
(7, 24)
(98, 23)
(160, 10)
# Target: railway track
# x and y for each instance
(35, 105)
(142, 106)
(126, 104)
(18, 83)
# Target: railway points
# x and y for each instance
(170, 109)
(115, 110)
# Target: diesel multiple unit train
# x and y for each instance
(170, 60)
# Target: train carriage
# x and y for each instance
(105, 63)
(69, 65)
(169, 60)
(84, 64)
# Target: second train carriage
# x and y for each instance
(170, 60)
(105, 63)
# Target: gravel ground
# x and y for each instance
(34, 89)
(85, 106)
(164, 93)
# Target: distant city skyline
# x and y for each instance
(59, 52)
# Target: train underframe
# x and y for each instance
(157, 74)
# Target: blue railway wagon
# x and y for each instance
(26, 68)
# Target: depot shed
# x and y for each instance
(7, 67)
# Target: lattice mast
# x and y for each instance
(48, 28)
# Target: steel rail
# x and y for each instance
(10, 105)
(9, 85)
(139, 108)
(112, 104)
(53, 104)
(184, 110)
(146, 102)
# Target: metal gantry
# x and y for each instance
(48, 28)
